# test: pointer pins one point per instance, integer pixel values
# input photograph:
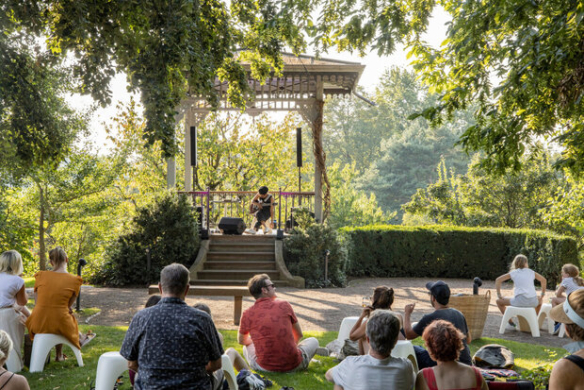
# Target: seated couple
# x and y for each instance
(439, 296)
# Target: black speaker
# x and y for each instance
(231, 225)
(298, 147)
(193, 146)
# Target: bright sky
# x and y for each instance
(374, 69)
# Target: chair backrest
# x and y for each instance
(346, 326)
(229, 373)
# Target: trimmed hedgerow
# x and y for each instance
(453, 252)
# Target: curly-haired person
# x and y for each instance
(444, 343)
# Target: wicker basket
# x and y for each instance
(474, 308)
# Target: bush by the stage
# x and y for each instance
(166, 230)
(304, 252)
(454, 252)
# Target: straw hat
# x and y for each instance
(572, 311)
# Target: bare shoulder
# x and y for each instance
(20, 382)
(563, 373)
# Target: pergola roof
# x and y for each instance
(301, 79)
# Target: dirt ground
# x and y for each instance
(316, 309)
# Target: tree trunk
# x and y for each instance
(42, 250)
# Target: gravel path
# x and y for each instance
(317, 309)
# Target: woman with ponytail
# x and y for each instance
(382, 299)
(9, 380)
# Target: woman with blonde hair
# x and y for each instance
(13, 300)
(524, 289)
(571, 281)
(55, 292)
(9, 380)
(382, 299)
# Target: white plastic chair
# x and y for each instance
(544, 316)
(41, 347)
(562, 331)
(228, 372)
(526, 316)
(346, 326)
(109, 367)
(13, 362)
(405, 349)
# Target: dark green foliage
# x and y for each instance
(453, 252)
(167, 229)
(304, 254)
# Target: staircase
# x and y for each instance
(232, 260)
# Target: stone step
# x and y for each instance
(234, 246)
(241, 256)
(240, 265)
(232, 282)
(234, 274)
(246, 238)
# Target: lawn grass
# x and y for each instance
(67, 375)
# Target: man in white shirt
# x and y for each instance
(378, 370)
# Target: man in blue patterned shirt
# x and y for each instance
(172, 345)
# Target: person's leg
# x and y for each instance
(423, 358)
(308, 349)
(502, 303)
(59, 353)
(237, 360)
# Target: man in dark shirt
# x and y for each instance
(440, 295)
(172, 345)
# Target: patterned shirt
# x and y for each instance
(269, 323)
(172, 343)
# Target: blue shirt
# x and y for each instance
(172, 343)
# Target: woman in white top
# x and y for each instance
(571, 281)
(13, 300)
(524, 294)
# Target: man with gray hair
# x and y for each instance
(378, 370)
(172, 345)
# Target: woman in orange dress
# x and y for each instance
(55, 292)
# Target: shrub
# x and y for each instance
(166, 230)
(453, 252)
(304, 253)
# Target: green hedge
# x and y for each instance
(453, 252)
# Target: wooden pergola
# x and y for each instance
(303, 86)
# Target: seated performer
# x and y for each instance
(262, 206)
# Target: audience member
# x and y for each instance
(172, 345)
(571, 281)
(524, 294)
(13, 312)
(9, 380)
(445, 343)
(439, 298)
(382, 299)
(55, 292)
(269, 331)
(568, 372)
(377, 370)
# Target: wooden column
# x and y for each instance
(188, 169)
(317, 136)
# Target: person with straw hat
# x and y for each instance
(568, 372)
